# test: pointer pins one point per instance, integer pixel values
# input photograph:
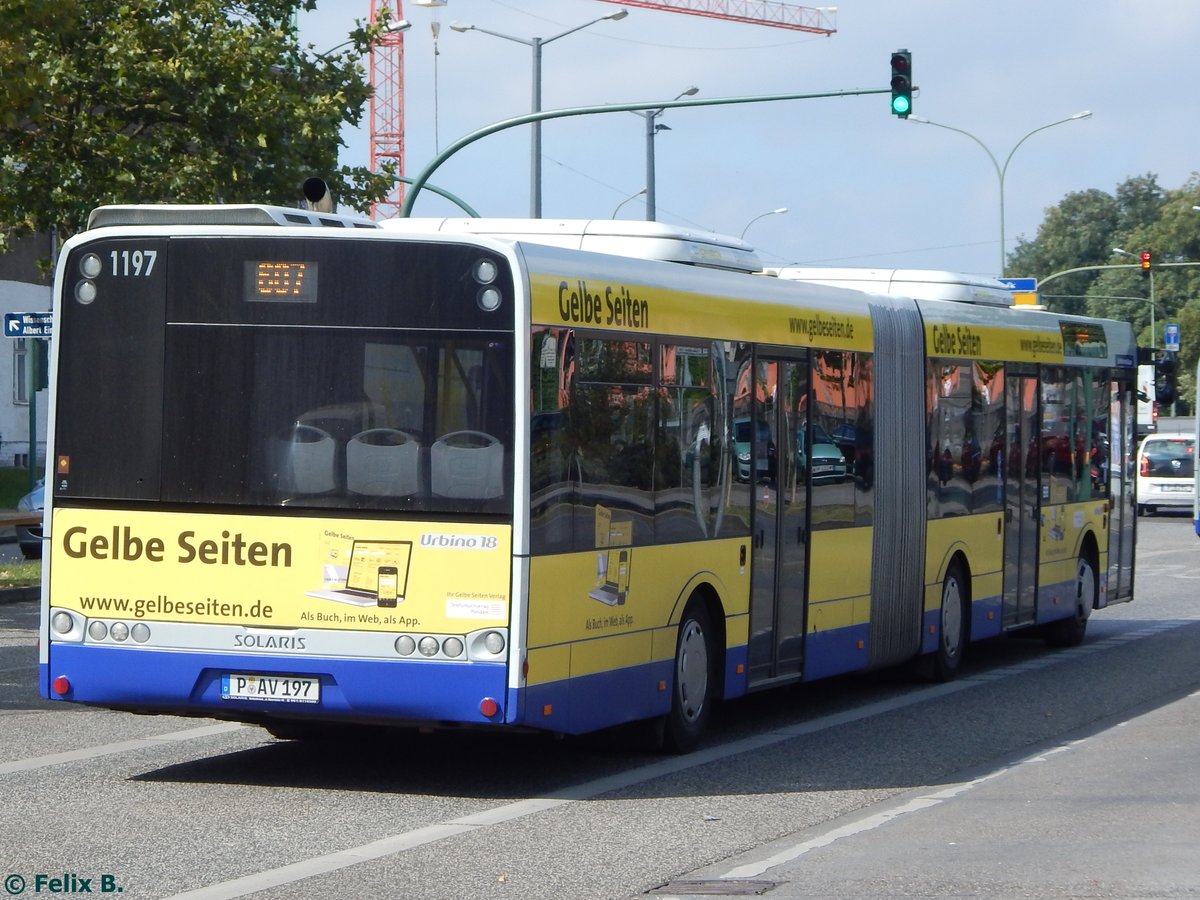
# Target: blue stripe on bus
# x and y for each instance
(583, 703)
(836, 651)
(1064, 592)
(987, 619)
(422, 690)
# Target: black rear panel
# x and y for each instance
(287, 372)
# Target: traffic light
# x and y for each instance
(901, 83)
(1145, 262)
(1165, 372)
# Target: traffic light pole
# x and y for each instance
(419, 182)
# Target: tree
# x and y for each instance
(185, 101)
(1077, 232)
(1084, 229)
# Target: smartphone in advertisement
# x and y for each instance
(385, 593)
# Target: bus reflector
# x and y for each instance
(547, 709)
(61, 686)
(662, 685)
(488, 707)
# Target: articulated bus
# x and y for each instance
(310, 469)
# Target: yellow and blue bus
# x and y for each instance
(307, 468)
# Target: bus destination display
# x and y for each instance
(279, 280)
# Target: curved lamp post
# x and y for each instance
(653, 128)
(1001, 170)
(626, 200)
(772, 212)
(535, 163)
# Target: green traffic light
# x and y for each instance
(901, 83)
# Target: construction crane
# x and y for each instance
(817, 20)
(387, 105)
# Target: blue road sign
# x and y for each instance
(1171, 338)
(29, 324)
(1024, 285)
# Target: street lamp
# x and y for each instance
(1002, 170)
(1121, 252)
(535, 163)
(652, 128)
(626, 200)
(393, 27)
(774, 212)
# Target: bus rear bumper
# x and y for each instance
(184, 683)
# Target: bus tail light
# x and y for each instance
(61, 685)
(488, 707)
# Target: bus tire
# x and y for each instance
(1069, 632)
(694, 680)
(953, 627)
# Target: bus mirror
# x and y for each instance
(316, 194)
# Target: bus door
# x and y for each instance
(1119, 471)
(1022, 468)
(780, 521)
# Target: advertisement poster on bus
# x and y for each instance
(281, 571)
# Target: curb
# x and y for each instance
(20, 595)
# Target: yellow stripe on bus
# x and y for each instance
(655, 310)
(973, 341)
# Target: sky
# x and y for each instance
(861, 186)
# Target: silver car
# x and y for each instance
(29, 537)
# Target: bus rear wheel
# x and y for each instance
(693, 690)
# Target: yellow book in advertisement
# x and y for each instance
(282, 571)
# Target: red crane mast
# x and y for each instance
(816, 20)
(387, 107)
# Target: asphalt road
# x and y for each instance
(1039, 773)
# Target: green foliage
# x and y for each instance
(14, 484)
(185, 101)
(1083, 230)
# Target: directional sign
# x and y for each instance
(1024, 285)
(1171, 338)
(28, 324)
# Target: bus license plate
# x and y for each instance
(284, 688)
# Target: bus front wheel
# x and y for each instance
(1069, 632)
(692, 694)
(953, 628)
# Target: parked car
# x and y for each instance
(29, 537)
(1166, 471)
(825, 462)
(746, 432)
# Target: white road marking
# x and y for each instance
(331, 862)
(69, 756)
(879, 819)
